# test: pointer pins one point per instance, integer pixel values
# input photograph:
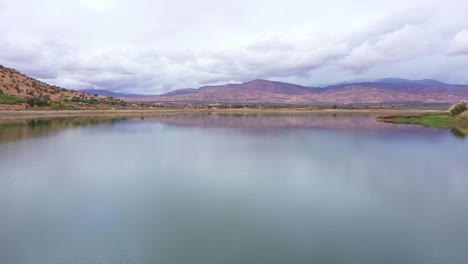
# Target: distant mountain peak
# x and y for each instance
(110, 93)
(407, 81)
(258, 81)
(267, 82)
(181, 92)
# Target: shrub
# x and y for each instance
(10, 99)
(457, 108)
(58, 105)
(37, 102)
(55, 105)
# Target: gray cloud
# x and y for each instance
(155, 46)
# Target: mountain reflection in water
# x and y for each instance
(11, 130)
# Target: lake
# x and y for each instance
(231, 188)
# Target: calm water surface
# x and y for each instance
(231, 189)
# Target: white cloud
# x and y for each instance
(152, 46)
(459, 44)
(97, 5)
(403, 44)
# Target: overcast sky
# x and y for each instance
(153, 46)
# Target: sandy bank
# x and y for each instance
(26, 114)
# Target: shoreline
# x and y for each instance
(29, 114)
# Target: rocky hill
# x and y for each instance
(18, 91)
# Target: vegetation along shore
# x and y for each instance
(455, 119)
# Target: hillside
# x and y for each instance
(249, 92)
(269, 92)
(18, 91)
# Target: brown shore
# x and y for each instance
(28, 114)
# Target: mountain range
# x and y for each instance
(390, 90)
